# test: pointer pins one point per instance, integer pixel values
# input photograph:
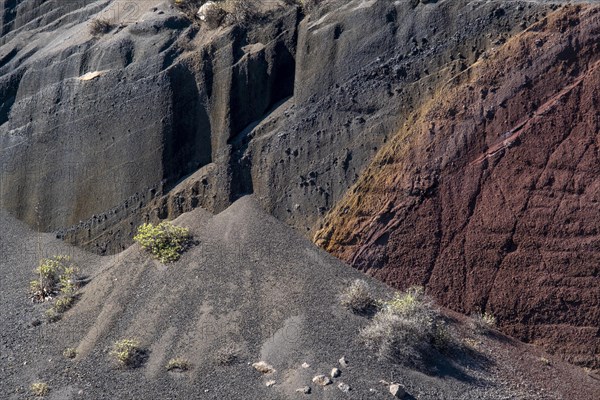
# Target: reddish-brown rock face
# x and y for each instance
(490, 194)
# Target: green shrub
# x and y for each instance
(39, 389)
(57, 281)
(409, 301)
(70, 352)
(358, 298)
(63, 303)
(164, 241)
(56, 275)
(127, 352)
(178, 364)
(406, 328)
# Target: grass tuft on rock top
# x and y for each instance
(215, 13)
(165, 241)
(100, 26)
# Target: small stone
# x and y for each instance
(344, 387)
(397, 390)
(305, 390)
(335, 373)
(305, 365)
(322, 380)
(270, 383)
(343, 362)
(263, 367)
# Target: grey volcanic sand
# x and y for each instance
(251, 281)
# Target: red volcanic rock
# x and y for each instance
(490, 194)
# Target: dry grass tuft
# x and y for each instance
(227, 355)
(358, 298)
(100, 26)
(482, 322)
(406, 328)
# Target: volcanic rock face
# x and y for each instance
(97, 131)
(489, 194)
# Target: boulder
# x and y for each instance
(305, 390)
(322, 380)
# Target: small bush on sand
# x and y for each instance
(358, 298)
(39, 389)
(62, 304)
(58, 281)
(55, 276)
(127, 352)
(70, 352)
(482, 322)
(178, 365)
(165, 241)
(406, 328)
(100, 26)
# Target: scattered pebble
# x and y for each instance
(344, 387)
(343, 362)
(322, 380)
(270, 383)
(305, 390)
(263, 367)
(397, 390)
(335, 373)
(305, 365)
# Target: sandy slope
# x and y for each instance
(250, 281)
